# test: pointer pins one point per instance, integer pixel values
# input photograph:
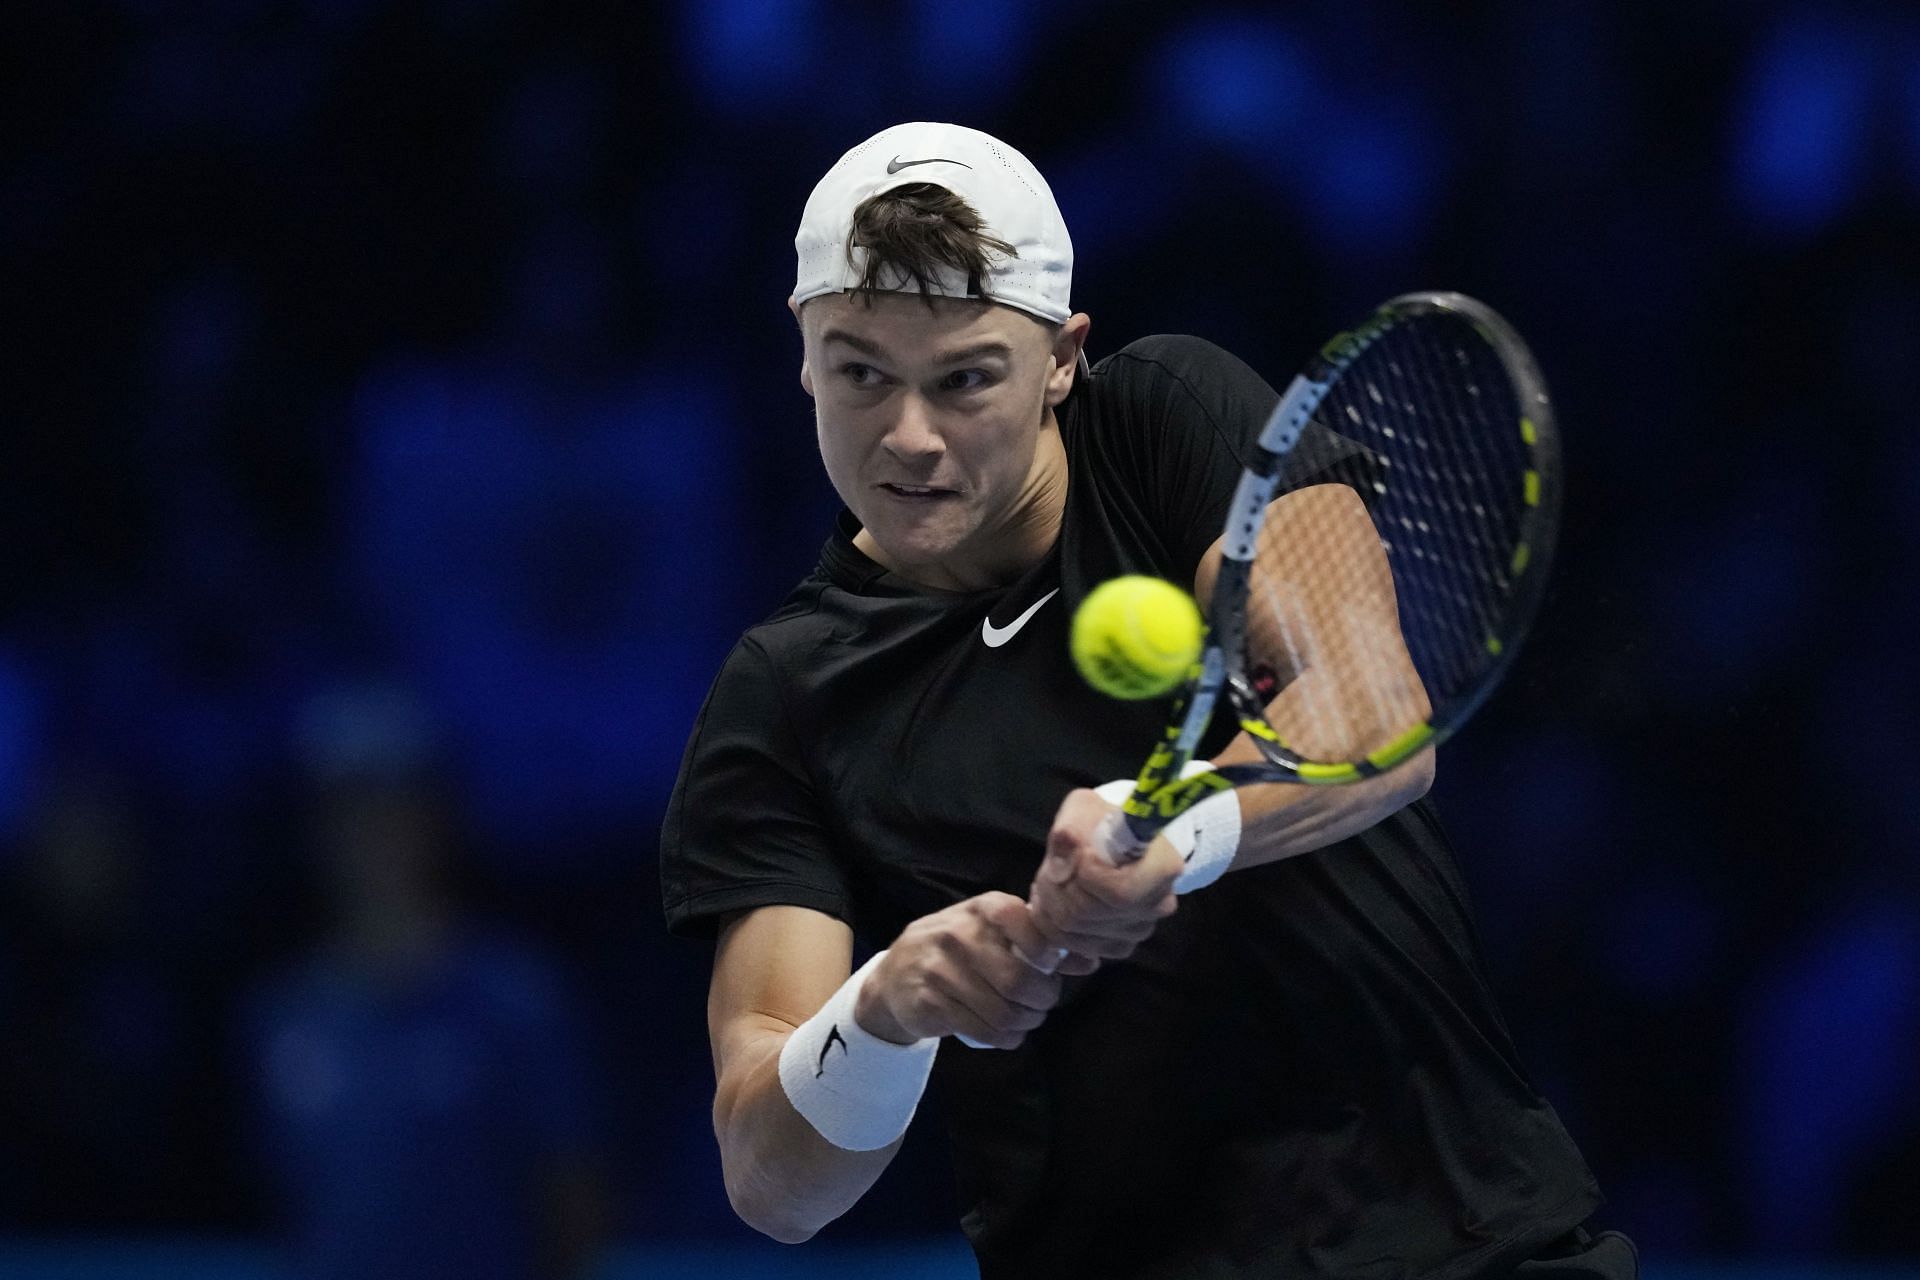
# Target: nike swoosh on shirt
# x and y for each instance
(997, 636)
(896, 164)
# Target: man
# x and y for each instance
(1299, 1071)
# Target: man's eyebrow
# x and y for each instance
(858, 343)
(977, 351)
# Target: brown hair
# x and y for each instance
(914, 231)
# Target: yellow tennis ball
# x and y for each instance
(1136, 637)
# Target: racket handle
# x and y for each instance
(1118, 840)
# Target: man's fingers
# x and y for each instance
(1022, 982)
(1099, 946)
(1133, 931)
(1046, 958)
(1070, 839)
(1085, 902)
(1026, 941)
(1062, 856)
(956, 972)
(982, 1014)
(1075, 965)
(1125, 889)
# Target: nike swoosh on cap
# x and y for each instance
(997, 636)
(896, 164)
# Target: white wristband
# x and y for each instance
(1207, 835)
(857, 1090)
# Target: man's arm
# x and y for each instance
(958, 971)
(1336, 699)
(772, 971)
(1344, 697)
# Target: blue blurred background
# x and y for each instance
(401, 421)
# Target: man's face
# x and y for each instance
(936, 430)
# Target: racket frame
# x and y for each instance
(1162, 793)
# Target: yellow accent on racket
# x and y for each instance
(1401, 747)
(1310, 772)
(1260, 729)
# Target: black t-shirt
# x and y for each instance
(1301, 1073)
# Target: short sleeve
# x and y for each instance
(1191, 412)
(744, 827)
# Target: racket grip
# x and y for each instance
(1117, 839)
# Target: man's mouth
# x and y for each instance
(917, 491)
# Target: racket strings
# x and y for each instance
(1451, 511)
(1459, 496)
(1436, 417)
(1455, 580)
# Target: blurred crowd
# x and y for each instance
(403, 421)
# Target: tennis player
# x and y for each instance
(1265, 1049)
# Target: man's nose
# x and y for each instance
(914, 434)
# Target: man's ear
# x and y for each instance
(1067, 346)
(806, 375)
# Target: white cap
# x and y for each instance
(1002, 185)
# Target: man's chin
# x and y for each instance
(915, 532)
(919, 553)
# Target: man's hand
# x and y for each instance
(980, 969)
(1081, 901)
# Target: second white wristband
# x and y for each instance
(1207, 835)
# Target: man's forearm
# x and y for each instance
(1286, 819)
(783, 1178)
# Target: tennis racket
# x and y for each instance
(1354, 626)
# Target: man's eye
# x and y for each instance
(860, 375)
(964, 380)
